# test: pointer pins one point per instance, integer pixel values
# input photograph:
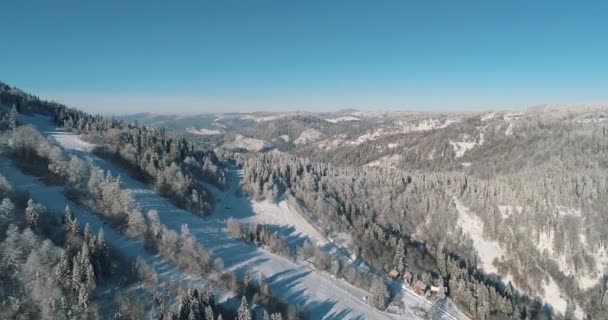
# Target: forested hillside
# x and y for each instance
(531, 184)
(507, 210)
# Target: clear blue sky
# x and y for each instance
(208, 56)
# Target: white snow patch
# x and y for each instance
(341, 119)
(284, 138)
(488, 116)
(393, 145)
(249, 144)
(386, 161)
(260, 118)
(67, 141)
(332, 143)
(592, 120)
(513, 115)
(425, 125)
(284, 215)
(552, 296)
(461, 147)
(308, 136)
(203, 131)
(509, 130)
(591, 280)
(471, 225)
(367, 137)
(466, 164)
(507, 211)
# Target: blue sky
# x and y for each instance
(210, 56)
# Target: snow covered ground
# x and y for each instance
(341, 119)
(487, 250)
(249, 144)
(203, 131)
(283, 215)
(54, 199)
(308, 136)
(389, 161)
(460, 147)
(322, 295)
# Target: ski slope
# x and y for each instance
(320, 294)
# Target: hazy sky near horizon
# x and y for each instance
(214, 56)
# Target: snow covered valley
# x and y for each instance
(319, 293)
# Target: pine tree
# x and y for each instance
(70, 224)
(77, 272)
(103, 254)
(83, 299)
(12, 120)
(243, 312)
(63, 273)
(7, 213)
(398, 261)
(209, 313)
(32, 214)
(264, 289)
(87, 233)
(247, 279)
(380, 295)
(89, 282)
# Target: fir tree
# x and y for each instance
(243, 312)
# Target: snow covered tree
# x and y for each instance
(244, 313)
(102, 251)
(247, 281)
(12, 119)
(63, 270)
(32, 214)
(264, 289)
(70, 224)
(209, 313)
(7, 213)
(380, 295)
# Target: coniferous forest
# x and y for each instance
(504, 211)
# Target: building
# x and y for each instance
(394, 274)
(408, 277)
(420, 287)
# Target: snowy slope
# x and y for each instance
(486, 249)
(203, 131)
(282, 214)
(53, 198)
(249, 144)
(341, 119)
(320, 294)
(323, 296)
(308, 136)
(489, 250)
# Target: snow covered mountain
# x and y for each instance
(471, 215)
